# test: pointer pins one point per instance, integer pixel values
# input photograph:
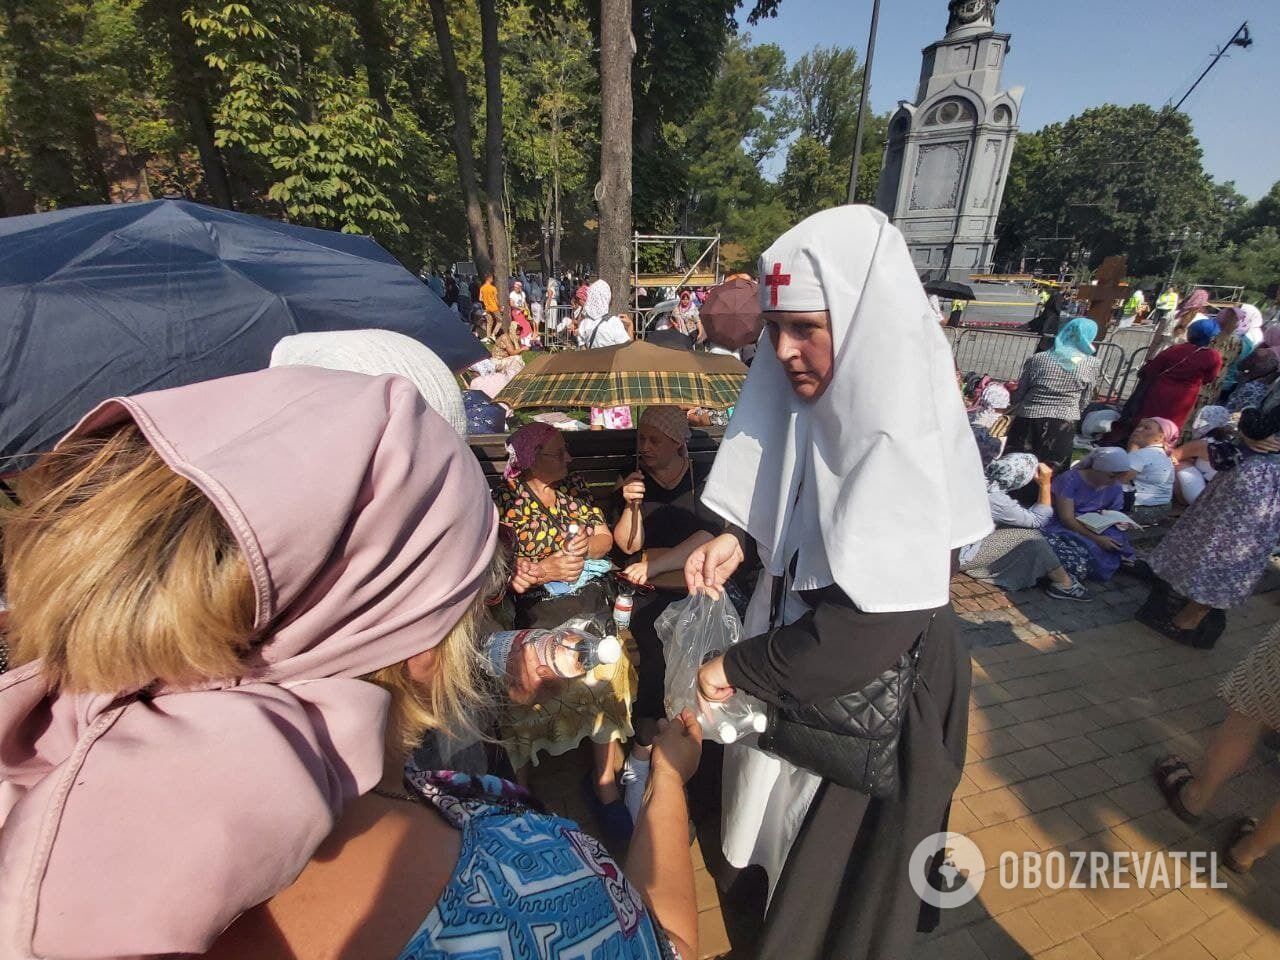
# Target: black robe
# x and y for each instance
(844, 893)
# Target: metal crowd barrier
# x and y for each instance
(995, 353)
(1001, 354)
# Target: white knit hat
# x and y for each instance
(376, 352)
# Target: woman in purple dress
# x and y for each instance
(1091, 486)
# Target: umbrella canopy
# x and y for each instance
(949, 290)
(634, 373)
(104, 301)
(731, 314)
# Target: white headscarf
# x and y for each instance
(876, 481)
(378, 352)
(599, 296)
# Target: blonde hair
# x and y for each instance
(121, 573)
(456, 694)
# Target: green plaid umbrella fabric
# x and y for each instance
(638, 374)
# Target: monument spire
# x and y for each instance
(970, 17)
(948, 153)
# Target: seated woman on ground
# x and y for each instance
(1093, 485)
(1016, 555)
(560, 576)
(1213, 436)
(1149, 492)
(249, 648)
(1257, 373)
(660, 523)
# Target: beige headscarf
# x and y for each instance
(671, 422)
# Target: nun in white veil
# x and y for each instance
(850, 463)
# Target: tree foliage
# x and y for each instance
(1113, 180)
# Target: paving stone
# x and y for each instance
(1066, 914)
(1041, 793)
(1171, 915)
(997, 806)
(1077, 949)
(1074, 750)
(1225, 935)
(1123, 938)
(1051, 828)
(1086, 780)
(1012, 936)
(1035, 761)
(713, 939)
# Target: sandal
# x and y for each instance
(1243, 827)
(1172, 774)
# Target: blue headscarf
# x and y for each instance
(1074, 342)
(1202, 332)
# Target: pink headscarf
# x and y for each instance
(139, 826)
(1195, 303)
(1170, 431)
(523, 447)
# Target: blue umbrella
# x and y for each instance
(104, 301)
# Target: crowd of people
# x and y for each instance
(247, 619)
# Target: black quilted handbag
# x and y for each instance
(851, 739)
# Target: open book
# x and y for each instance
(1103, 519)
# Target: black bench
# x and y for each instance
(600, 456)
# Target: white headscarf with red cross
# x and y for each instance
(877, 480)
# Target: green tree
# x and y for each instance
(740, 125)
(1116, 180)
(295, 104)
(824, 87)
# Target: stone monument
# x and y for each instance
(949, 151)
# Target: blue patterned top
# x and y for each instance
(527, 885)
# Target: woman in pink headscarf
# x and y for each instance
(1192, 309)
(233, 606)
(1149, 490)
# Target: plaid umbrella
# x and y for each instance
(639, 374)
(731, 315)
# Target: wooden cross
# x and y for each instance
(1107, 288)
(774, 281)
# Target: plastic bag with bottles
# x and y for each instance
(694, 631)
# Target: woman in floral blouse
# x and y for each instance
(558, 576)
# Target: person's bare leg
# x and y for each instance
(1261, 841)
(1060, 576)
(1189, 617)
(606, 758)
(1226, 754)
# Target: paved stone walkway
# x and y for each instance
(1071, 705)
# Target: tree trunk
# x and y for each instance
(493, 149)
(375, 46)
(462, 147)
(191, 78)
(614, 241)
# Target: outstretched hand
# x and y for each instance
(711, 565)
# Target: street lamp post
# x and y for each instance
(862, 102)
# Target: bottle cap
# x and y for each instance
(760, 723)
(609, 650)
(727, 732)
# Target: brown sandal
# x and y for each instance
(1243, 827)
(1172, 774)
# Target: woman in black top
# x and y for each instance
(660, 522)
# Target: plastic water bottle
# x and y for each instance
(567, 653)
(623, 605)
(735, 718)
